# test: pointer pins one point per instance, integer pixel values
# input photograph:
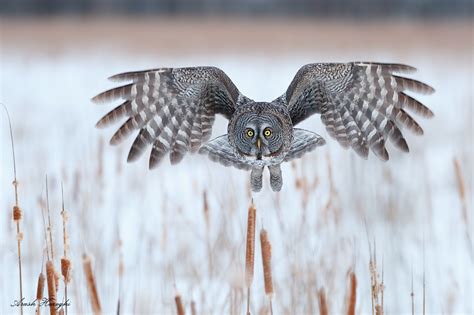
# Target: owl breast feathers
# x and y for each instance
(361, 104)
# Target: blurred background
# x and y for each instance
(182, 229)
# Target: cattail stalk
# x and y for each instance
(323, 306)
(250, 252)
(179, 304)
(65, 262)
(352, 294)
(17, 214)
(267, 265)
(50, 228)
(50, 276)
(91, 284)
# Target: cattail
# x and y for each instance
(323, 306)
(66, 269)
(16, 210)
(250, 251)
(65, 262)
(40, 287)
(193, 308)
(91, 284)
(267, 259)
(267, 265)
(352, 294)
(378, 310)
(39, 291)
(50, 276)
(17, 215)
(179, 305)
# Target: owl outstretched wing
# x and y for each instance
(362, 104)
(173, 109)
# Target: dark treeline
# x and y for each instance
(332, 8)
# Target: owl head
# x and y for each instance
(260, 131)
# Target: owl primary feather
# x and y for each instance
(362, 105)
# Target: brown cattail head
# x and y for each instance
(66, 269)
(267, 261)
(323, 305)
(17, 215)
(50, 276)
(40, 287)
(91, 285)
(179, 304)
(250, 250)
(378, 310)
(352, 294)
(56, 280)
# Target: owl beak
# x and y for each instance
(259, 151)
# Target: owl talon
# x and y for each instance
(256, 179)
(276, 180)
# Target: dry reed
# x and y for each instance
(50, 276)
(352, 294)
(376, 287)
(17, 213)
(91, 284)
(193, 308)
(267, 265)
(179, 305)
(323, 306)
(250, 252)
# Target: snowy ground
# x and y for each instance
(409, 206)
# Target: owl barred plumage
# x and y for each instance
(362, 105)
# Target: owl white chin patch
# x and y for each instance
(265, 161)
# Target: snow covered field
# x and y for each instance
(409, 206)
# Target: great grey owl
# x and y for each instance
(362, 105)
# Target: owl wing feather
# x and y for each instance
(362, 104)
(173, 109)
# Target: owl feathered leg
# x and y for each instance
(256, 178)
(276, 180)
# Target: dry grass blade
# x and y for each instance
(267, 265)
(17, 214)
(352, 294)
(91, 284)
(50, 276)
(179, 304)
(323, 306)
(250, 251)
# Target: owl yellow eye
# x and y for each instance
(267, 132)
(249, 132)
